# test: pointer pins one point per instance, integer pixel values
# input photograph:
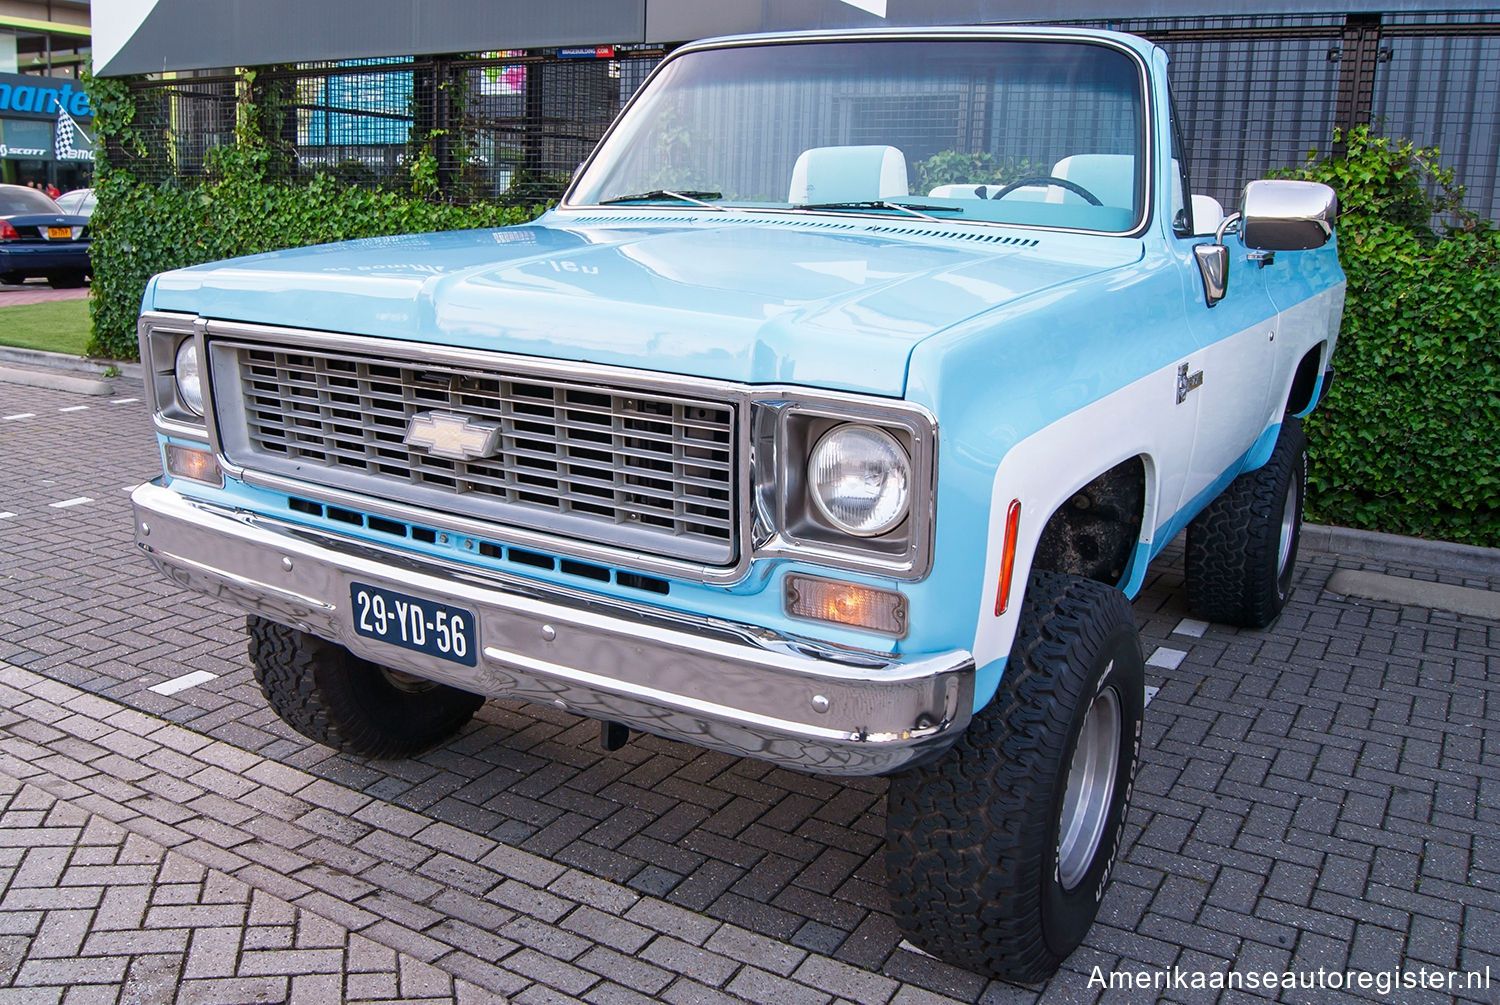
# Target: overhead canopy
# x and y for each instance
(151, 36)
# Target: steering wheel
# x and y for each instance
(1047, 179)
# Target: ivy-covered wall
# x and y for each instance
(1406, 441)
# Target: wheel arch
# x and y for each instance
(1307, 384)
(1095, 530)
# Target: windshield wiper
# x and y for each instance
(656, 195)
(877, 204)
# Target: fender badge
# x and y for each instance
(456, 437)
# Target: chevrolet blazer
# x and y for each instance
(831, 418)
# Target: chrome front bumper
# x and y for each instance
(732, 687)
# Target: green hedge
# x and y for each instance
(140, 230)
(1406, 440)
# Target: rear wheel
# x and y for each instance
(328, 694)
(12, 278)
(999, 852)
(1242, 549)
(70, 280)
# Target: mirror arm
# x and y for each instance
(1232, 220)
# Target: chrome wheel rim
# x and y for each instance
(1288, 526)
(1091, 789)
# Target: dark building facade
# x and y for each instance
(1258, 85)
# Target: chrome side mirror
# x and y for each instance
(1280, 215)
(1275, 215)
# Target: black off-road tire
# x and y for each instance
(1242, 549)
(976, 869)
(328, 694)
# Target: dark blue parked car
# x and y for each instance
(38, 239)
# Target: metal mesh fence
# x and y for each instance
(1254, 94)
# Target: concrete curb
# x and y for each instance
(1379, 547)
(1415, 593)
(64, 361)
(55, 381)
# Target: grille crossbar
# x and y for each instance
(637, 468)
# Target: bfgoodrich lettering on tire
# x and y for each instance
(1242, 549)
(328, 694)
(998, 853)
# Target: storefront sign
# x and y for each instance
(40, 119)
(25, 94)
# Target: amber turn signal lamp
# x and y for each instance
(849, 604)
(188, 462)
(1008, 557)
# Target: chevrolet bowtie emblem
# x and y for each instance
(457, 437)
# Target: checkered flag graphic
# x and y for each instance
(65, 141)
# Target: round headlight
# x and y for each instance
(860, 479)
(189, 380)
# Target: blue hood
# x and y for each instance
(754, 298)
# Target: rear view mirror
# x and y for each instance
(1279, 215)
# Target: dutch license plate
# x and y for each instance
(424, 626)
(60, 233)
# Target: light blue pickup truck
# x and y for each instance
(832, 418)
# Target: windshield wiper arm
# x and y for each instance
(875, 204)
(656, 195)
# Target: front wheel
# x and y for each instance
(328, 694)
(998, 853)
(1242, 549)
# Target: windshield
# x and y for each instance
(1039, 132)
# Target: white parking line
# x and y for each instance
(122, 401)
(71, 502)
(75, 408)
(1151, 693)
(6, 516)
(184, 682)
(19, 415)
(1167, 659)
(1187, 626)
(130, 488)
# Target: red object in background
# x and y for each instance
(53, 191)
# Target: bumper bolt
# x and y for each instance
(820, 703)
(548, 633)
(145, 529)
(286, 563)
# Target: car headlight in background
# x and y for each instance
(189, 377)
(860, 479)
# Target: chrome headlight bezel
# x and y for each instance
(163, 340)
(790, 523)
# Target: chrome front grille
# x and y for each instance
(643, 469)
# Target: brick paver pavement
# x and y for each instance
(1322, 794)
(95, 912)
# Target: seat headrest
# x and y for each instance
(848, 174)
